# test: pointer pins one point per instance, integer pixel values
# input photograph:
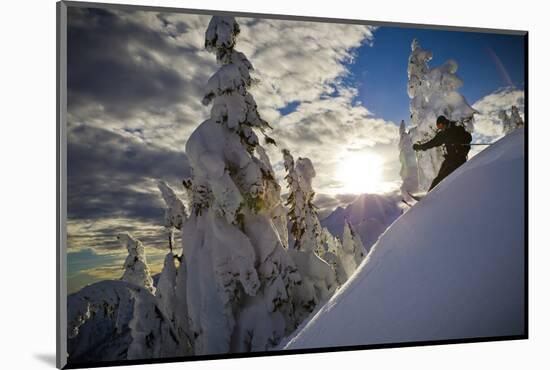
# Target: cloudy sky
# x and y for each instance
(334, 93)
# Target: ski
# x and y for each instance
(407, 203)
(417, 197)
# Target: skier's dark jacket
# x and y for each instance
(456, 140)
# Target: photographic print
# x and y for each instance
(242, 184)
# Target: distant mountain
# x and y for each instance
(369, 214)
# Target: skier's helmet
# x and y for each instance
(441, 122)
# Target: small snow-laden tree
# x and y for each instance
(433, 92)
(506, 120)
(318, 277)
(116, 320)
(238, 272)
(407, 158)
(171, 288)
(174, 213)
(517, 121)
(353, 251)
(305, 226)
(166, 287)
(331, 255)
(136, 270)
(294, 195)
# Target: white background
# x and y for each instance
(27, 208)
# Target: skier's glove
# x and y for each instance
(416, 146)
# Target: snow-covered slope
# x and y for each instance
(370, 215)
(451, 267)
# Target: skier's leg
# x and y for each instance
(435, 181)
(447, 167)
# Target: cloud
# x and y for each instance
(138, 71)
(135, 84)
(303, 65)
(87, 267)
(329, 130)
(114, 175)
(141, 75)
(111, 188)
(298, 61)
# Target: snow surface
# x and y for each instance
(451, 267)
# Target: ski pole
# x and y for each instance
(478, 144)
(417, 168)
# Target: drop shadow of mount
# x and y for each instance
(46, 358)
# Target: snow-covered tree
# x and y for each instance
(331, 255)
(166, 287)
(318, 277)
(352, 252)
(136, 270)
(305, 226)
(506, 122)
(407, 157)
(239, 275)
(172, 285)
(517, 121)
(174, 213)
(510, 122)
(433, 92)
(174, 217)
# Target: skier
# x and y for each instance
(456, 140)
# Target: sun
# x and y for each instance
(361, 173)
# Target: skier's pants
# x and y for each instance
(447, 167)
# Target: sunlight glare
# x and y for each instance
(361, 173)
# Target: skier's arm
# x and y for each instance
(438, 140)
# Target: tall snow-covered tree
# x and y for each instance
(318, 277)
(407, 158)
(433, 92)
(172, 288)
(136, 270)
(353, 251)
(239, 275)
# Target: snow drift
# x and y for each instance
(451, 267)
